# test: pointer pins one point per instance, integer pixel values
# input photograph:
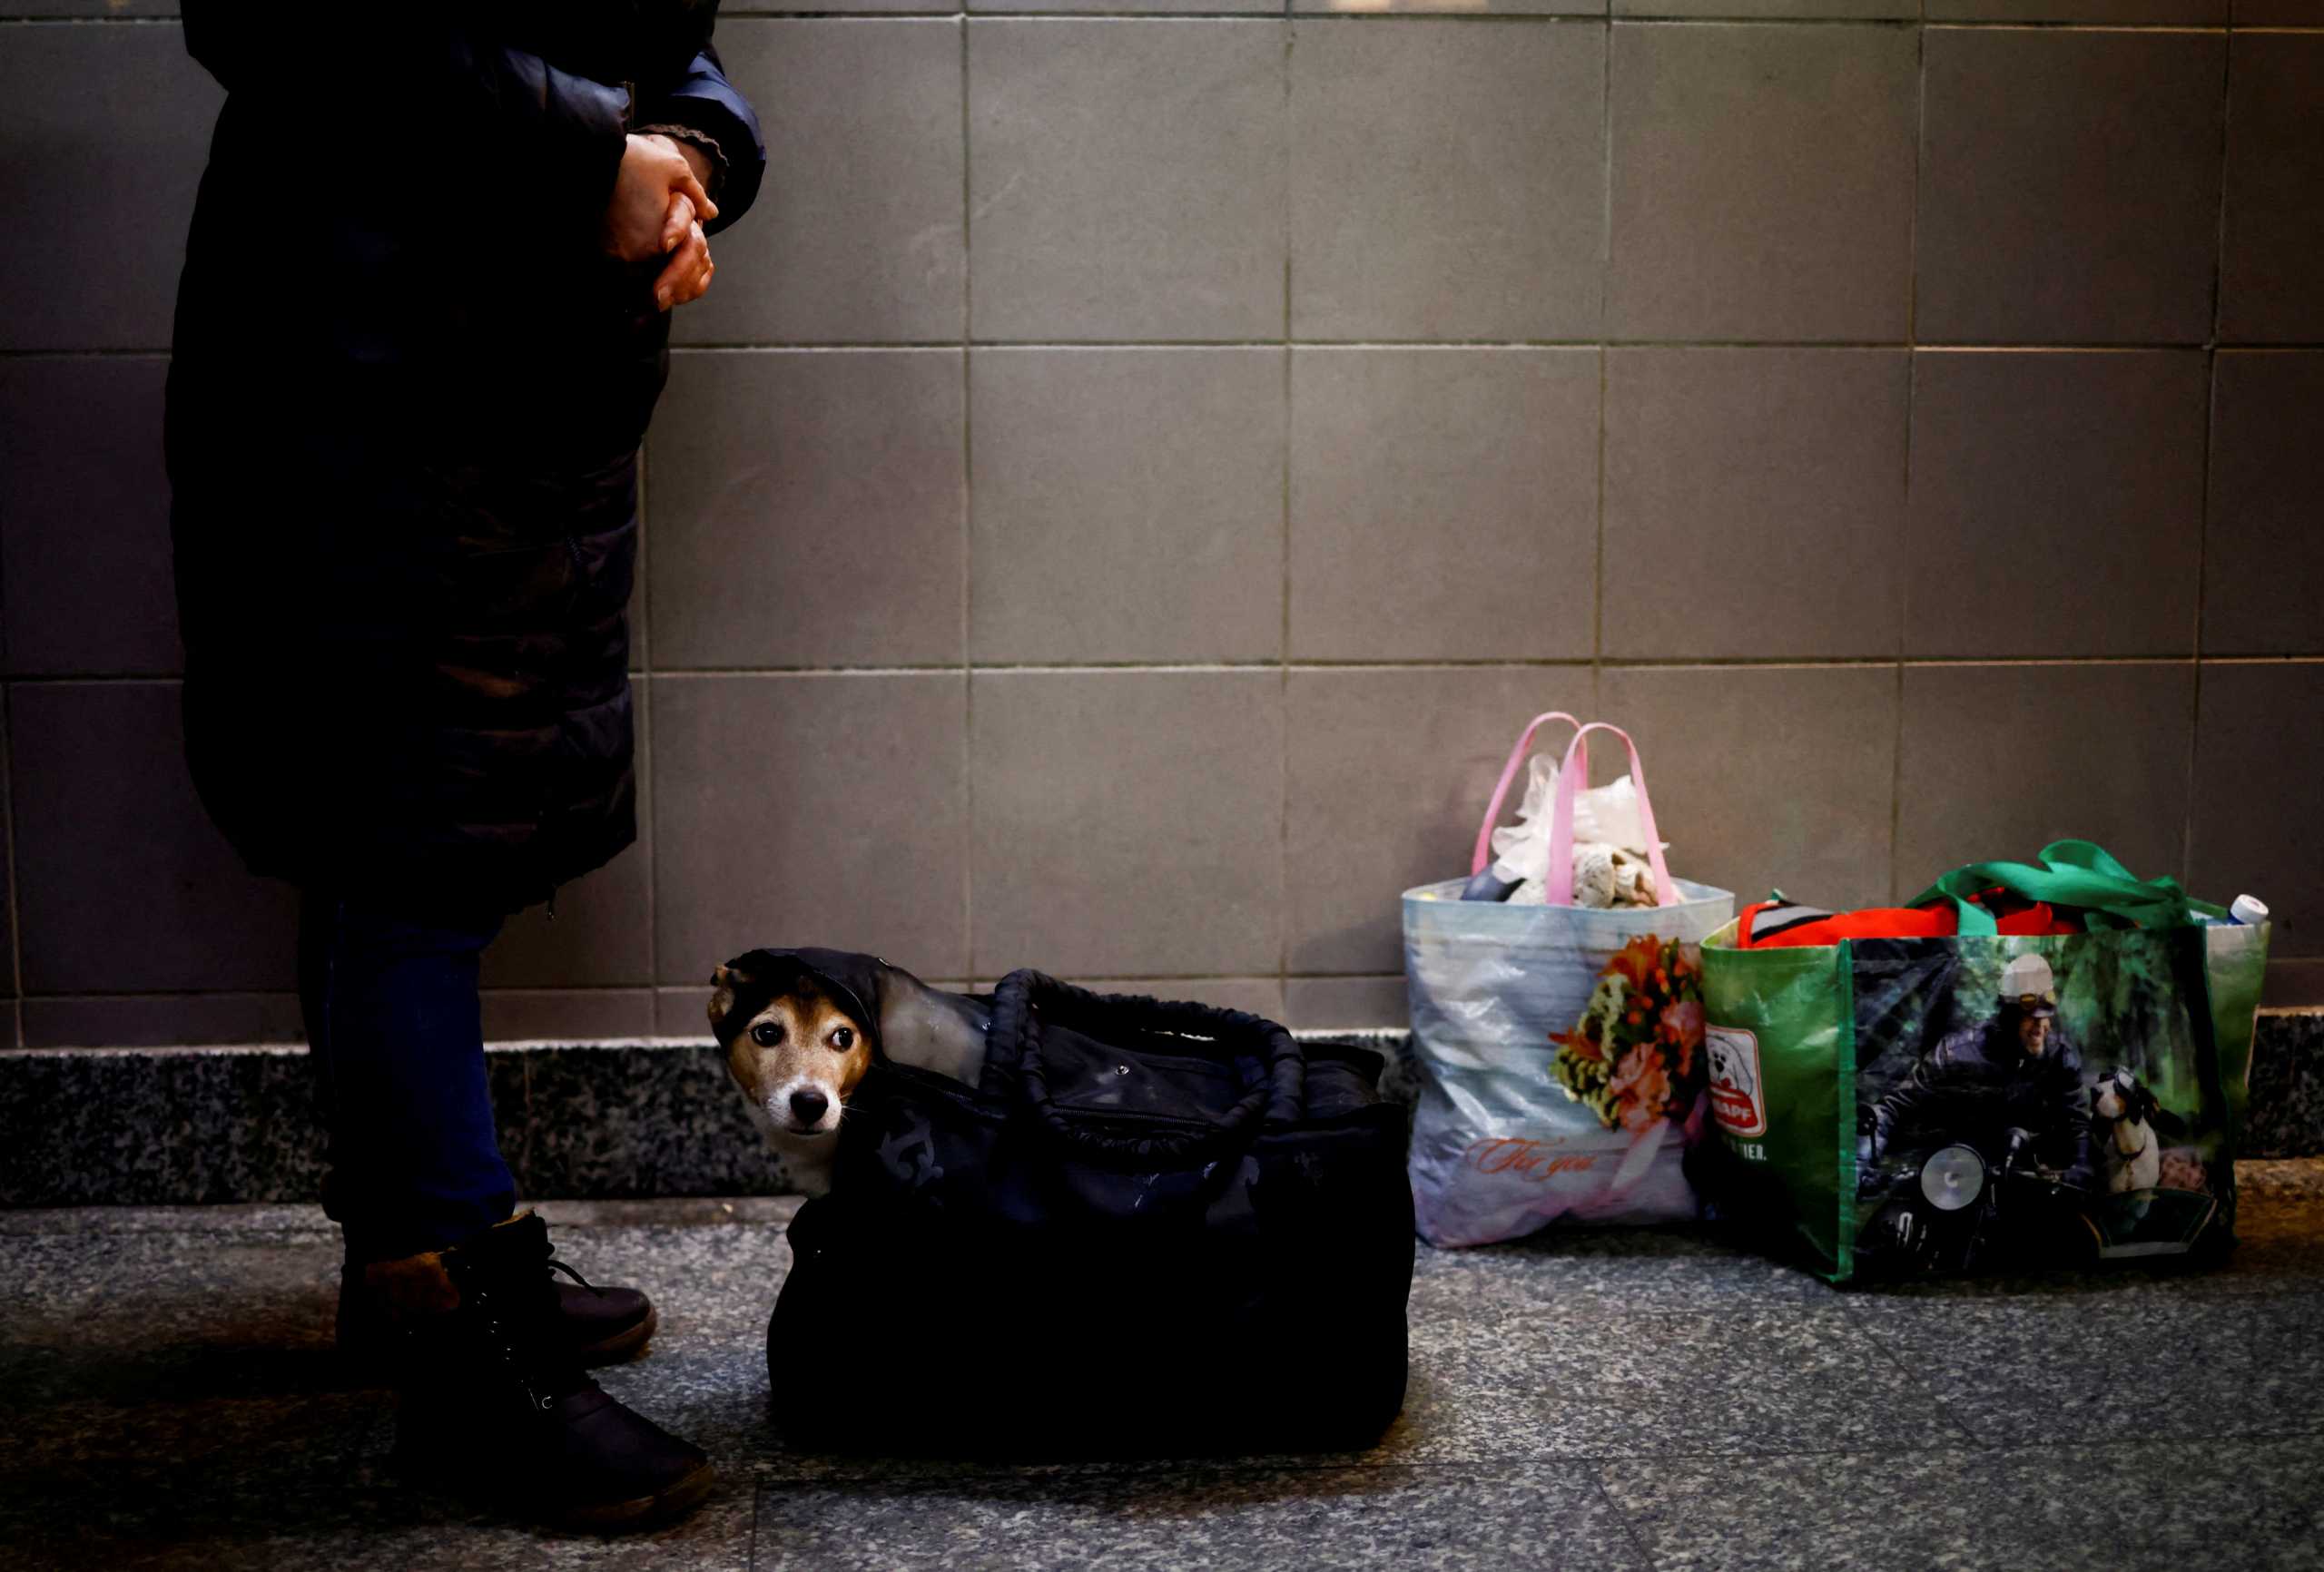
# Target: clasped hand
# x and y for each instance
(658, 208)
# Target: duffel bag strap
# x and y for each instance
(1279, 1093)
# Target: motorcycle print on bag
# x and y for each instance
(2030, 1101)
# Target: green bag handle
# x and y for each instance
(2074, 873)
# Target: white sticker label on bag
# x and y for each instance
(1737, 1099)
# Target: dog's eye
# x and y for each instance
(843, 1038)
(766, 1034)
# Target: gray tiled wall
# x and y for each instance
(1215, 425)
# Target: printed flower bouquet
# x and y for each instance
(1631, 1058)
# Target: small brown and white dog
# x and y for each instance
(2124, 1117)
(801, 1029)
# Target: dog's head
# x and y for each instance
(797, 1040)
(1728, 1065)
(2120, 1095)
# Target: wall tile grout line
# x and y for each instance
(1858, 23)
(1511, 663)
(1971, 27)
(1005, 346)
(1605, 285)
(1606, 341)
(656, 845)
(968, 825)
(2195, 693)
(938, 12)
(1283, 646)
(941, 13)
(2210, 445)
(643, 708)
(1902, 560)
(1598, 550)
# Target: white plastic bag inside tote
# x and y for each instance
(1560, 1047)
(1605, 819)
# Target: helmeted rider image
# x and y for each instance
(1981, 1084)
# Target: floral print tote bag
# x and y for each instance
(1559, 1048)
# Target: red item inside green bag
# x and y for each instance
(1778, 923)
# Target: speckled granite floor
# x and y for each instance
(169, 1397)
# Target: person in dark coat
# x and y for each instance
(1983, 1086)
(423, 321)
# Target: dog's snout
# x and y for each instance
(807, 1107)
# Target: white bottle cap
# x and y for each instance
(2249, 910)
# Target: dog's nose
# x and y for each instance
(807, 1107)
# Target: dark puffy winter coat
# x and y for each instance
(1977, 1084)
(404, 410)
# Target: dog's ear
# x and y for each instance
(723, 983)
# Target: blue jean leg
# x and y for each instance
(395, 1025)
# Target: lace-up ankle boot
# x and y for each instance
(603, 1323)
(493, 1396)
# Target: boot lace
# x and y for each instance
(512, 1312)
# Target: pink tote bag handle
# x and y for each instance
(1484, 854)
(1558, 888)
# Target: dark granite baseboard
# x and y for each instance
(2287, 1116)
(168, 1126)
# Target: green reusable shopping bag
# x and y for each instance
(1896, 1106)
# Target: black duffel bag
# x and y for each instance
(1149, 1228)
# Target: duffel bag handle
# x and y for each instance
(1484, 854)
(1557, 886)
(1279, 1093)
(2075, 873)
